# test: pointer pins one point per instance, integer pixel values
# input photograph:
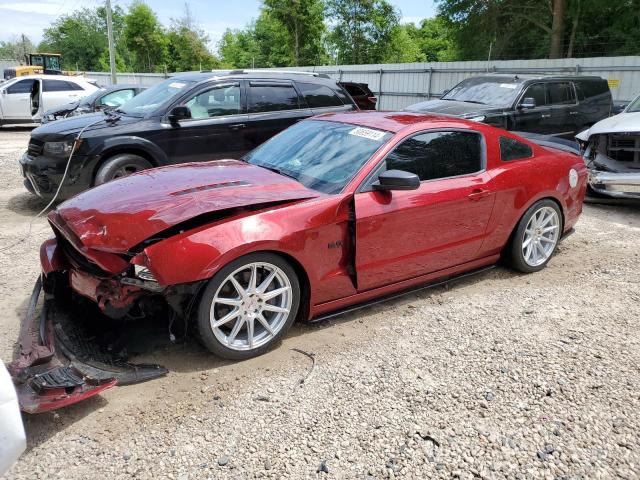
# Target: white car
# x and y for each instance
(12, 436)
(24, 99)
(612, 154)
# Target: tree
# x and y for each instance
(536, 28)
(263, 44)
(145, 38)
(80, 37)
(187, 46)
(361, 30)
(17, 48)
(303, 21)
(434, 39)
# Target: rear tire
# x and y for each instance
(536, 237)
(120, 166)
(248, 306)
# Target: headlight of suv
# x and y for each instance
(58, 149)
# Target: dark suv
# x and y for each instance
(189, 117)
(561, 106)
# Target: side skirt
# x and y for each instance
(425, 282)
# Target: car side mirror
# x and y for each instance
(178, 113)
(528, 102)
(397, 180)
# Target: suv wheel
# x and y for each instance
(120, 166)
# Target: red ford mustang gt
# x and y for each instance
(333, 212)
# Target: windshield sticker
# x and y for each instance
(508, 85)
(177, 85)
(367, 133)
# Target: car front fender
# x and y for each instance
(132, 143)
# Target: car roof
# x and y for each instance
(395, 121)
(309, 77)
(51, 77)
(521, 78)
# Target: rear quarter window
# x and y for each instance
(591, 88)
(511, 149)
(319, 96)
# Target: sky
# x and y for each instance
(31, 17)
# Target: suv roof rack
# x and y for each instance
(284, 72)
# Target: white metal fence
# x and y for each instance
(400, 84)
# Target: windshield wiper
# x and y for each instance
(472, 101)
(279, 171)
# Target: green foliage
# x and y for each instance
(80, 37)
(263, 44)
(523, 28)
(16, 49)
(361, 30)
(145, 38)
(303, 22)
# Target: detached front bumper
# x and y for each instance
(59, 361)
(43, 175)
(615, 185)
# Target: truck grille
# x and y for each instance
(35, 147)
(624, 148)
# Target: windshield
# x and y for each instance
(634, 106)
(158, 95)
(500, 92)
(321, 155)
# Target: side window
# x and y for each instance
(560, 93)
(537, 92)
(354, 90)
(265, 97)
(580, 90)
(55, 86)
(318, 96)
(73, 86)
(511, 149)
(115, 99)
(215, 102)
(23, 86)
(438, 155)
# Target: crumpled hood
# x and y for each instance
(452, 107)
(122, 213)
(621, 123)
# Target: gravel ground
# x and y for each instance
(501, 375)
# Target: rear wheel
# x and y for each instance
(120, 166)
(248, 306)
(536, 237)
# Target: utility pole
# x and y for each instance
(112, 53)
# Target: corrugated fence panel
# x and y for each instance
(400, 84)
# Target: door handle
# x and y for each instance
(547, 115)
(237, 126)
(573, 113)
(478, 193)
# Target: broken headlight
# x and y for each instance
(143, 273)
(58, 149)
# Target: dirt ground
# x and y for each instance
(501, 375)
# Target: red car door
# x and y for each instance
(404, 234)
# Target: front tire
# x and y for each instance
(536, 237)
(120, 166)
(248, 306)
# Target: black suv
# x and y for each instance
(561, 106)
(188, 117)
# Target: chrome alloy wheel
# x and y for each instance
(125, 171)
(541, 236)
(251, 306)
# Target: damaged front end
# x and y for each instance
(71, 340)
(613, 160)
